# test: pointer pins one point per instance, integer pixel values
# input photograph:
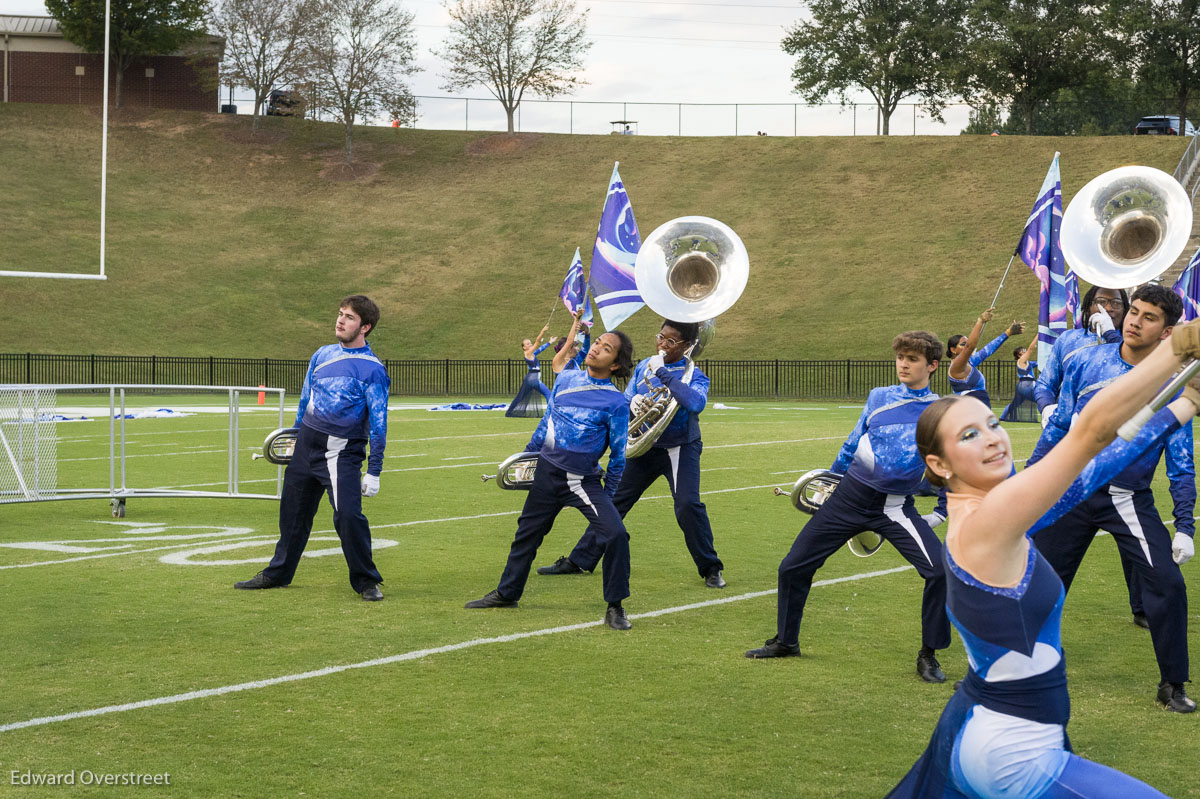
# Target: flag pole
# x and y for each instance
(1004, 277)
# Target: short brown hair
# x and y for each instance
(368, 311)
(919, 341)
(928, 441)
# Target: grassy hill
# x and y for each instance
(224, 243)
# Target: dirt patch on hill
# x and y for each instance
(503, 144)
(340, 172)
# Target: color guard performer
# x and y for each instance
(965, 377)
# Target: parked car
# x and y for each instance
(282, 103)
(1163, 126)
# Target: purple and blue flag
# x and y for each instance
(574, 292)
(1039, 249)
(617, 243)
(1188, 288)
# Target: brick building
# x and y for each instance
(40, 66)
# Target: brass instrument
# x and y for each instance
(515, 473)
(279, 446)
(1126, 227)
(691, 269)
(810, 492)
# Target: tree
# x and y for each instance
(1022, 52)
(1162, 40)
(263, 40)
(514, 46)
(138, 28)
(355, 60)
(891, 48)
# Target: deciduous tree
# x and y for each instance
(513, 46)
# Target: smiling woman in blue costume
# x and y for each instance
(1004, 732)
(533, 397)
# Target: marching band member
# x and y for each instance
(1125, 506)
(587, 414)
(1023, 407)
(344, 402)
(1109, 302)
(881, 472)
(525, 404)
(675, 455)
(965, 377)
(1003, 733)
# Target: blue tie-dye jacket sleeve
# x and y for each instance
(1111, 461)
(618, 436)
(306, 389)
(1181, 472)
(846, 455)
(987, 350)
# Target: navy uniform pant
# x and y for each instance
(851, 509)
(554, 489)
(324, 464)
(681, 466)
(1133, 521)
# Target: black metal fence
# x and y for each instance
(777, 379)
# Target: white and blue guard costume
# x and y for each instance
(882, 470)
(676, 456)
(586, 416)
(1125, 508)
(975, 384)
(1003, 733)
(343, 404)
(533, 396)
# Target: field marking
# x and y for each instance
(784, 441)
(406, 656)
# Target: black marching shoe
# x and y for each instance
(561, 566)
(615, 618)
(714, 579)
(371, 593)
(1139, 620)
(774, 649)
(928, 668)
(492, 600)
(257, 582)
(1172, 696)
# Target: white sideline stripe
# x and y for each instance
(150, 455)
(784, 441)
(406, 656)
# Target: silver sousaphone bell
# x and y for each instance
(691, 269)
(278, 446)
(810, 492)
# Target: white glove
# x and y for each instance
(370, 485)
(655, 363)
(933, 519)
(1182, 548)
(640, 404)
(1047, 412)
(1100, 323)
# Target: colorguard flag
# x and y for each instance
(1039, 249)
(575, 290)
(1188, 288)
(1073, 298)
(617, 244)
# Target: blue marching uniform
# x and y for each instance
(1125, 508)
(676, 456)
(1023, 407)
(975, 385)
(586, 416)
(533, 396)
(1049, 381)
(1003, 733)
(343, 404)
(881, 470)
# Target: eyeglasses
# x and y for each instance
(1114, 303)
(670, 342)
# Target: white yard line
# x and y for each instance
(403, 657)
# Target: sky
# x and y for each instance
(671, 66)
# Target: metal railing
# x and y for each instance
(848, 379)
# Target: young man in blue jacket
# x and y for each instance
(343, 404)
(881, 470)
(587, 415)
(674, 455)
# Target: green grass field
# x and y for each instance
(102, 612)
(226, 244)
